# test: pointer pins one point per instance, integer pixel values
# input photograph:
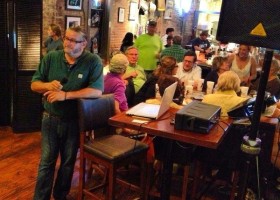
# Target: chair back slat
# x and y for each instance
(95, 112)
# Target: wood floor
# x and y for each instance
(19, 159)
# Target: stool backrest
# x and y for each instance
(95, 112)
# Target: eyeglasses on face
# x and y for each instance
(72, 41)
(188, 61)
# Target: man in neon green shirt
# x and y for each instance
(149, 46)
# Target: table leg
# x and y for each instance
(167, 172)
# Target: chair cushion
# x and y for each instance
(114, 147)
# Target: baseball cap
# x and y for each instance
(152, 23)
(118, 64)
(205, 32)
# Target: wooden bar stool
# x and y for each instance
(182, 155)
(108, 150)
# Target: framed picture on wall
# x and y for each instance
(72, 21)
(74, 4)
(121, 15)
(168, 14)
(133, 11)
(96, 17)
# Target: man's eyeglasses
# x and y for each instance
(72, 41)
(188, 61)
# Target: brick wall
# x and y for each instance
(181, 24)
(54, 12)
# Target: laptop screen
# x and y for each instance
(154, 111)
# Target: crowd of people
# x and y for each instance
(68, 72)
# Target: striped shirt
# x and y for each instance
(176, 51)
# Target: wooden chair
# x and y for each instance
(108, 150)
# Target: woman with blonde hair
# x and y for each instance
(226, 95)
(225, 158)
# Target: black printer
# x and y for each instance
(197, 117)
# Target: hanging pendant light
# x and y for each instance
(161, 5)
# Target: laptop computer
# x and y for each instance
(154, 111)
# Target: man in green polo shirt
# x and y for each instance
(62, 77)
(134, 76)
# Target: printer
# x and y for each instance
(197, 116)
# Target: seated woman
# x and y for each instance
(226, 95)
(223, 158)
(106, 62)
(273, 83)
(244, 65)
(165, 70)
(219, 65)
(113, 82)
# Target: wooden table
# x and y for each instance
(163, 128)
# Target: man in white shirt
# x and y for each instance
(188, 70)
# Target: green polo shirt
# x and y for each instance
(86, 72)
(140, 79)
(175, 51)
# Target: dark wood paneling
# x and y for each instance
(28, 23)
(27, 105)
(4, 69)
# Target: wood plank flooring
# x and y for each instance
(19, 159)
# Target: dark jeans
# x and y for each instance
(58, 137)
(130, 93)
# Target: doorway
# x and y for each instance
(20, 36)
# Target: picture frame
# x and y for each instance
(96, 18)
(133, 11)
(121, 15)
(72, 21)
(168, 14)
(74, 4)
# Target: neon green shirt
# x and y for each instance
(140, 79)
(149, 47)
